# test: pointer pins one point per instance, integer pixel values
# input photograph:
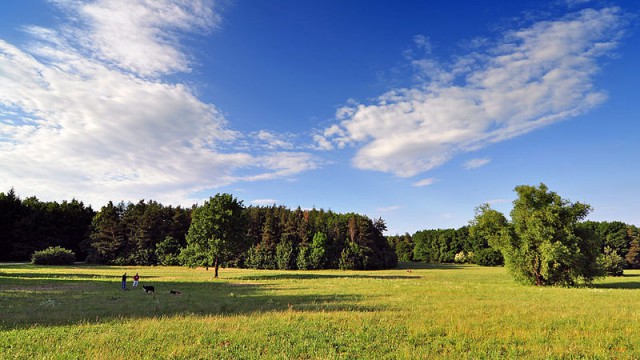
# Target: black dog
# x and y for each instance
(149, 289)
(175, 292)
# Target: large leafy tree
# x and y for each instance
(217, 231)
(542, 244)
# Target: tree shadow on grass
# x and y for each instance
(45, 276)
(317, 276)
(415, 265)
(61, 302)
(619, 283)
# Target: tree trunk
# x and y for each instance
(536, 271)
(216, 266)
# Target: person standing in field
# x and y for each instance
(136, 277)
(124, 281)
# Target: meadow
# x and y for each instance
(417, 311)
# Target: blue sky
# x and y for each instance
(413, 111)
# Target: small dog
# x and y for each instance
(149, 289)
(175, 292)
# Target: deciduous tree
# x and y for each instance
(217, 230)
(542, 244)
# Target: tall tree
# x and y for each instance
(10, 209)
(217, 230)
(108, 234)
(542, 244)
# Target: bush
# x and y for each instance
(259, 257)
(612, 263)
(352, 258)
(53, 256)
(285, 255)
(460, 257)
(488, 257)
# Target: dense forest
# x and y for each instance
(149, 233)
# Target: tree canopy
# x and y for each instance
(543, 243)
(217, 228)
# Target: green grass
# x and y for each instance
(455, 312)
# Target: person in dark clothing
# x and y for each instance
(124, 281)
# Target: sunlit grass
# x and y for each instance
(429, 312)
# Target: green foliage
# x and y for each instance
(129, 234)
(54, 255)
(403, 246)
(192, 257)
(440, 246)
(168, 251)
(217, 230)
(318, 239)
(488, 257)
(352, 257)
(542, 244)
(612, 263)
(318, 250)
(260, 257)
(29, 225)
(302, 260)
(285, 255)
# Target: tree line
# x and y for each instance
(149, 233)
(459, 246)
(545, 242)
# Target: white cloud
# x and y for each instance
(423, 43)
(138, 36)
(424, 182)
(531, 78)
(272, 141)
(476, 163)
(80, 119)
(388, 209)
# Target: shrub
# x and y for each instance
(612, 263)
(352, 258)
(285, 255)
(302, 260)
(259, 257)
(53, 256)
(488, 257)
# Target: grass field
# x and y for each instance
(453, 312)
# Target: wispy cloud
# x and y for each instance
(388, 209)
(530, 78)
(424, 182)
(476, 163)
(138, 36)
(85, 110)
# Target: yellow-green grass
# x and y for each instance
(430, 312)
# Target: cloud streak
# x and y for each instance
(532, 77)
(476, 163)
